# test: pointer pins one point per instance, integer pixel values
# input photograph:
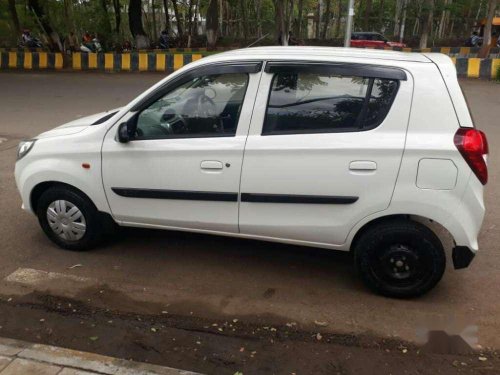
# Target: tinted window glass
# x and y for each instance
(312, 103)
(207, 106)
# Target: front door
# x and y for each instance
(182, 167)
(324, 149)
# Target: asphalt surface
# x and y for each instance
(223, 278)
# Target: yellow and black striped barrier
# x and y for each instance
(135, 62)
(450, 51)
(167, 63)
(476, 68)
(31, 60)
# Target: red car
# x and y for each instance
(371, 39)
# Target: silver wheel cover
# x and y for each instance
(66, 220)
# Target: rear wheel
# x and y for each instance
(400, 258)
(69, 218)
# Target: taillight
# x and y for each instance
(473, 146)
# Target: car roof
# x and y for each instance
(315, 53)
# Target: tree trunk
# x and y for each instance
(13, 15)
(381, 22)
(339, 19)
(104, 20)
(178, 18)
(52, 35)
(485, 49)
(135, 24)
(189, 26)
(318, 20)
(212, 23)
(153, 22)
(328, 17)
(167, 16)
(427, 24)
(368, 12)
(118, 16)
(281, 32)
(244, 21)
(298, 26)
(397, 18)
(258, 11)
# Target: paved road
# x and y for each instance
(216, 277)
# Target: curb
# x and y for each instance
(20, 357)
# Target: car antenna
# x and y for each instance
(257, 41)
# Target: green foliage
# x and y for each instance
(498, 74)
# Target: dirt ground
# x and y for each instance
(220, 305)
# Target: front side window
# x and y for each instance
(321, 103)
(206, 106)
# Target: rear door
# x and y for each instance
(324, 149)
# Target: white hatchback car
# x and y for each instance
(344, 149)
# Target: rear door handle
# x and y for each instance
(211, 165)
(363, 165)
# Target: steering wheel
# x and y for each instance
(172, 123)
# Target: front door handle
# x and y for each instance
(363, 166)
(211, 165)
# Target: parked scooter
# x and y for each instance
(93, 46)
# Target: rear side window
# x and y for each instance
(318, 103)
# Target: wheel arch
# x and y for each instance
(436, 227)
(42, 187)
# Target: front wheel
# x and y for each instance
(69, 218)
(400, 258)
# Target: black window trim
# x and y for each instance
(343, 69)
(285, 67)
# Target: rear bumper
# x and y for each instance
(462, 257)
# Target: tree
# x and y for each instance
(327, 18)
(212, 23)
(118, 16)
(427, 23)
(135, 24)
(44, 23)
(178, 18)
(281, 31)
(13, 15)
(485, 49)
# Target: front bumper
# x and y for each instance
(462, 257)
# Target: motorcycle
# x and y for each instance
(92, 47)
(30, 43)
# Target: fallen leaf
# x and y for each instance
(318, 336)
(75, 266)
(482, 359)
(405, 351)
(242, 349)
(93, 338)
(153, 329)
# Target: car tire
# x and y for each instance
(399, 259)
(69, 218)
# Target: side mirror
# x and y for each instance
(123, 132)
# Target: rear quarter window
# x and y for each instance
(319, 103)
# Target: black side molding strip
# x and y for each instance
(176, 194)
(357, 70)
(286, 198)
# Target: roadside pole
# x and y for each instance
(348, 28)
